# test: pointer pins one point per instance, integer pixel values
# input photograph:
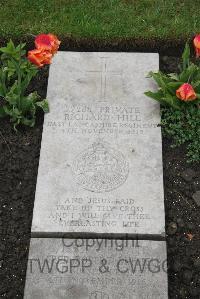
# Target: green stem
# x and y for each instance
(3, 82)
(19, 81)
(189, 78)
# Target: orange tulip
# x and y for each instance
(196, 42)
(186, 93)
(48, 42)
(39, 57)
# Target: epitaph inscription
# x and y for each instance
(88, 213)
(100, 165)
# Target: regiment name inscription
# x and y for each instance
(85, 120)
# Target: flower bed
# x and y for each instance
(18, 172)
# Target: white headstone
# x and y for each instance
(100, 166)
(96, 269)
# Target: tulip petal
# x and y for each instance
(186, 92)
(47, 42)
(39, 57)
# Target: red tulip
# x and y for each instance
(186, 93)
(196, 42)
(48, 42)
(39, 57)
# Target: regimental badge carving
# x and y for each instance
(100, 168)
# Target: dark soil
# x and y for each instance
(170, 47)
(19, 157)
(181, 181)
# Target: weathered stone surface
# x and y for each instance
(101, 156)
(96, 269)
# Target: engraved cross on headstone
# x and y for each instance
(104, 72)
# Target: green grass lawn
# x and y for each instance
(101, 18)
